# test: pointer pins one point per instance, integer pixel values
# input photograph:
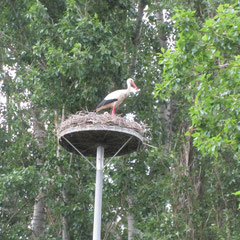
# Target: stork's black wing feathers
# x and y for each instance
(105, 102)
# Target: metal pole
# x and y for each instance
(98, 193)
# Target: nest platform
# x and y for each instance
(87, 131)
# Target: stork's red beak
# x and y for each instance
(134, 85)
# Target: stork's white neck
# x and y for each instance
(128, 87)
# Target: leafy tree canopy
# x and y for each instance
(204, 69)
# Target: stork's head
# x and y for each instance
(131, 82)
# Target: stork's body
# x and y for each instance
(114, 99)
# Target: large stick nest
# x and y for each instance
(92, 118)
(86, 130)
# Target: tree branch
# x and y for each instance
(137, 36)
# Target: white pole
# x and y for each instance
(98, 193)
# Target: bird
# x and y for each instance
(114, 99)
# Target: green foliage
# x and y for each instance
(18, 190)
(236, 194)
(204, 68)
(69, 55)
(201, 75)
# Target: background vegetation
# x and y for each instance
(59, 57)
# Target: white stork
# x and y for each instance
(114, 99)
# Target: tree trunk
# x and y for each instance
(40, 135)
(65, 232)
(168, 116)
(7, 82)
(130, 219)
(168, 109)
(131, 229)
(162, 36)
(136, 40)
(110, 229)
(38, 222)
(137, 35)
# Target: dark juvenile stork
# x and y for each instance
(114, 99)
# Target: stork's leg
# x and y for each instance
(113, 110)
